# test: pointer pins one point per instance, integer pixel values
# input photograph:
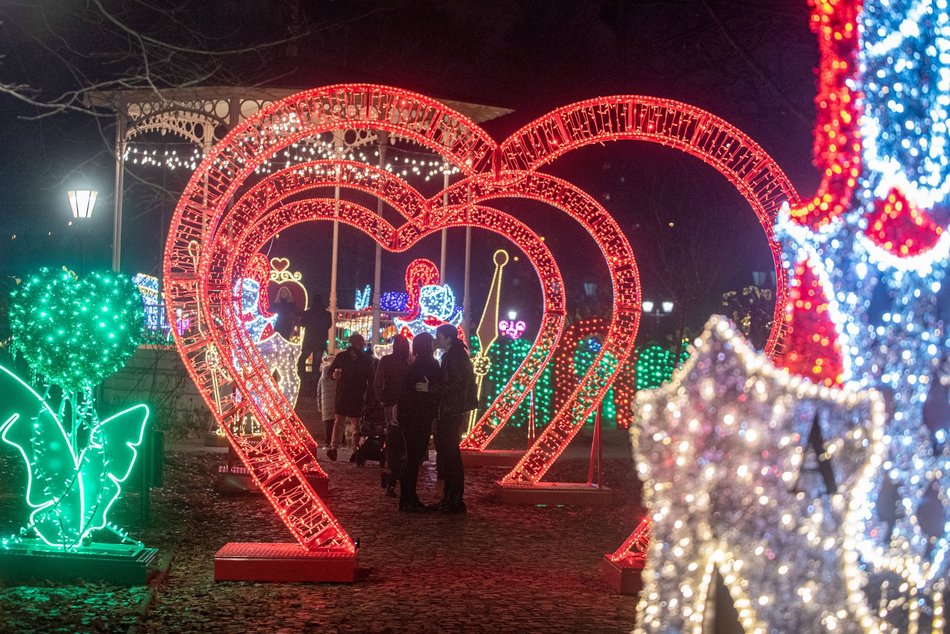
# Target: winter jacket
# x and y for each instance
(459, 391)
(351, 387)
(418, 408)
(390, 376)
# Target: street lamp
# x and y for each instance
(81, 201)
(657, 310)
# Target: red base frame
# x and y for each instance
(554, 494)
(251, 561)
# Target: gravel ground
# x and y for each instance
(499, 568)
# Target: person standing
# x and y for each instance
(459, 397)
(316, 323)
(352, 369)
(417, 408)
(390, 376)
(326, 397)
(388, 385)
(288, 314)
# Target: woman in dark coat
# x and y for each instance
(352, 369)
(459, 397)
(417, 408)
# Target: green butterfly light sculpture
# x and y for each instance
(72, 333)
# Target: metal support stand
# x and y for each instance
(563, 493)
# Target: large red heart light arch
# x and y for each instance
(211, 240)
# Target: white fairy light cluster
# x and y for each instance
(906, 97)
(401, 162)
(170, 159)
(723, 452)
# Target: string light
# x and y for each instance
(655, 365)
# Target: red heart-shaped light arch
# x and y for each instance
(204, 252)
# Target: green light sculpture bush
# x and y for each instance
(73, 333)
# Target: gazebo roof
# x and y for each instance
(118, 99)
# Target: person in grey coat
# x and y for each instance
(326, 397)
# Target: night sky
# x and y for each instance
(694, 237)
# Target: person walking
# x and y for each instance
(352, 369)
(459, 397)
(417, 408)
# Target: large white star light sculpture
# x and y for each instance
(723, 451)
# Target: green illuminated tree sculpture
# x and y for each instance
(73, 333)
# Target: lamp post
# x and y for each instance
(81, 202)
(657, 310)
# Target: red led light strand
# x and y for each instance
(565, 379)
(633, 552)
(220, 357)
(205, 345)
(896, 225)
(837, 146)
(814, 351)
(674, 124)
(620, 336)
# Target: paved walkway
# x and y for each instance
(499, 569)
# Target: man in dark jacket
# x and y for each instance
(459, 397)
(352, 369)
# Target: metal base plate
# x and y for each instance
(622, 579)
(106, 563)
(254, 561)
(554, 494)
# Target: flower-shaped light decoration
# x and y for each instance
(73, 333)
(721, 450)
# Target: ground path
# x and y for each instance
(499, 568)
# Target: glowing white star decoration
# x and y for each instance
(722, 450)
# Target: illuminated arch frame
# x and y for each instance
(197, 221)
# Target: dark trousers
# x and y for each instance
(447, 439)
(417, 446)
